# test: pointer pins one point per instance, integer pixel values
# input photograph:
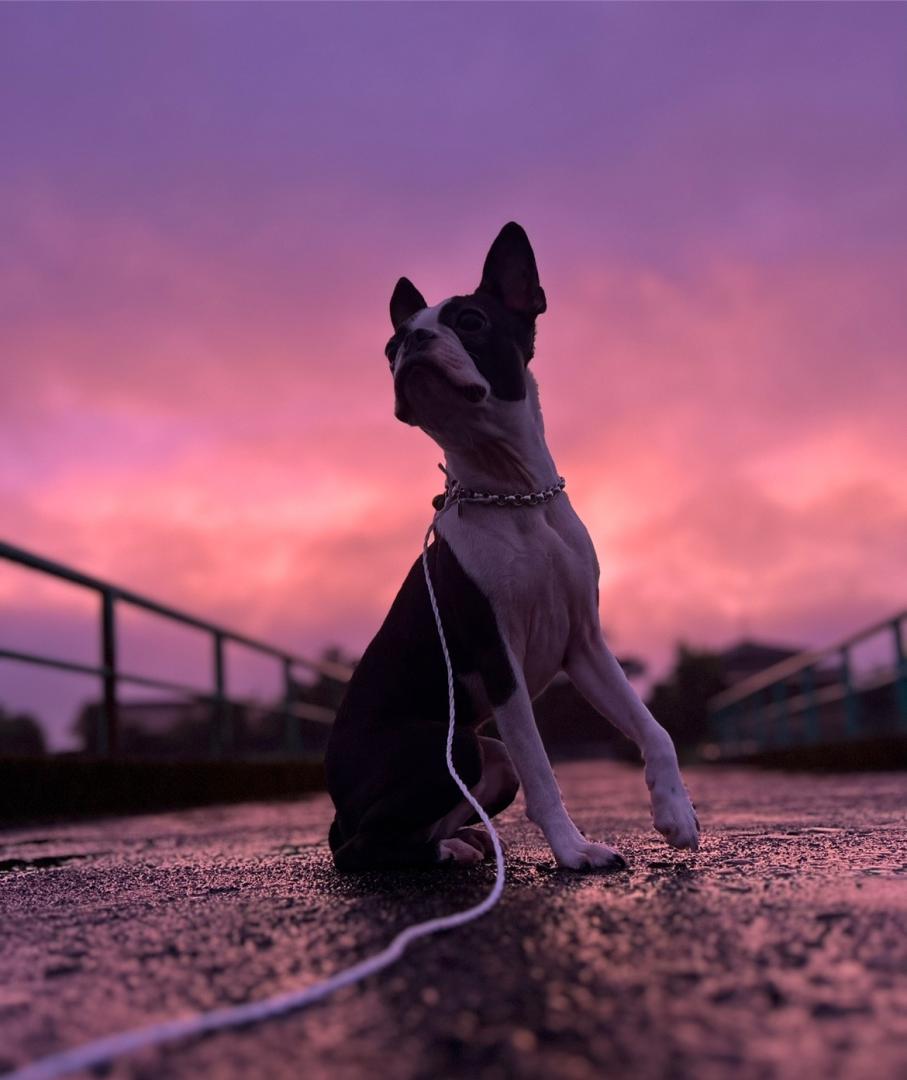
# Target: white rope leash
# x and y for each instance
(105, 1050)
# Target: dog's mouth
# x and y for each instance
(427, 384)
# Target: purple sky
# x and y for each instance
(204, 209)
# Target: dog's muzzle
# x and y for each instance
(423, 369)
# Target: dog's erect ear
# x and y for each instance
(510, 272)
(405, 301)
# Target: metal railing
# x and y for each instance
(815, 697)
(112, 676)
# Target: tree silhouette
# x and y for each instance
(20, 735)
(679, 701)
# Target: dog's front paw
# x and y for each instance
(586, 855)
(675, 817)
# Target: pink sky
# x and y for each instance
(204, 213)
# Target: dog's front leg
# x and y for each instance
(544, 803)
(601, 680)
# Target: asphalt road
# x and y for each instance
(779, 950)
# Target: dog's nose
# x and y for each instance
(419, 337)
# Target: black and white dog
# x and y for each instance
(517, 589)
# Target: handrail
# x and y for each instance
(795, 664)
(803, 702)
(14, 554)
(105, 672)
(111, 676)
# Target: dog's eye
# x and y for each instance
(471, 321)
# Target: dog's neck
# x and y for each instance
(516, 461)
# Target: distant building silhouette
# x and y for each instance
(189, 730)
(747, 657)
(177, 730)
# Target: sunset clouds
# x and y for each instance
(204, 210)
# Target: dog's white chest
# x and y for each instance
(538, 569)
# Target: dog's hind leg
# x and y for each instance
(394, 826)
(494, 792)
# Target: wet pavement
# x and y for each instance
(778, 950)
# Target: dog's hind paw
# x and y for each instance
(478, 838)
(459, 851)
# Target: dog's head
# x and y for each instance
(457, 366)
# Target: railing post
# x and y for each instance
(291, 740)
(719, 727)
(762, 704)
(755, 721)
(108, 726)
(779, 701)
(808, 685)
(741, 722)
(901, 671)
(220, 733)
(851, 702)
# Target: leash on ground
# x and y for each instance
(103, 1051)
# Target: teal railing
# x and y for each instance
(111, 598)
(816, 698)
